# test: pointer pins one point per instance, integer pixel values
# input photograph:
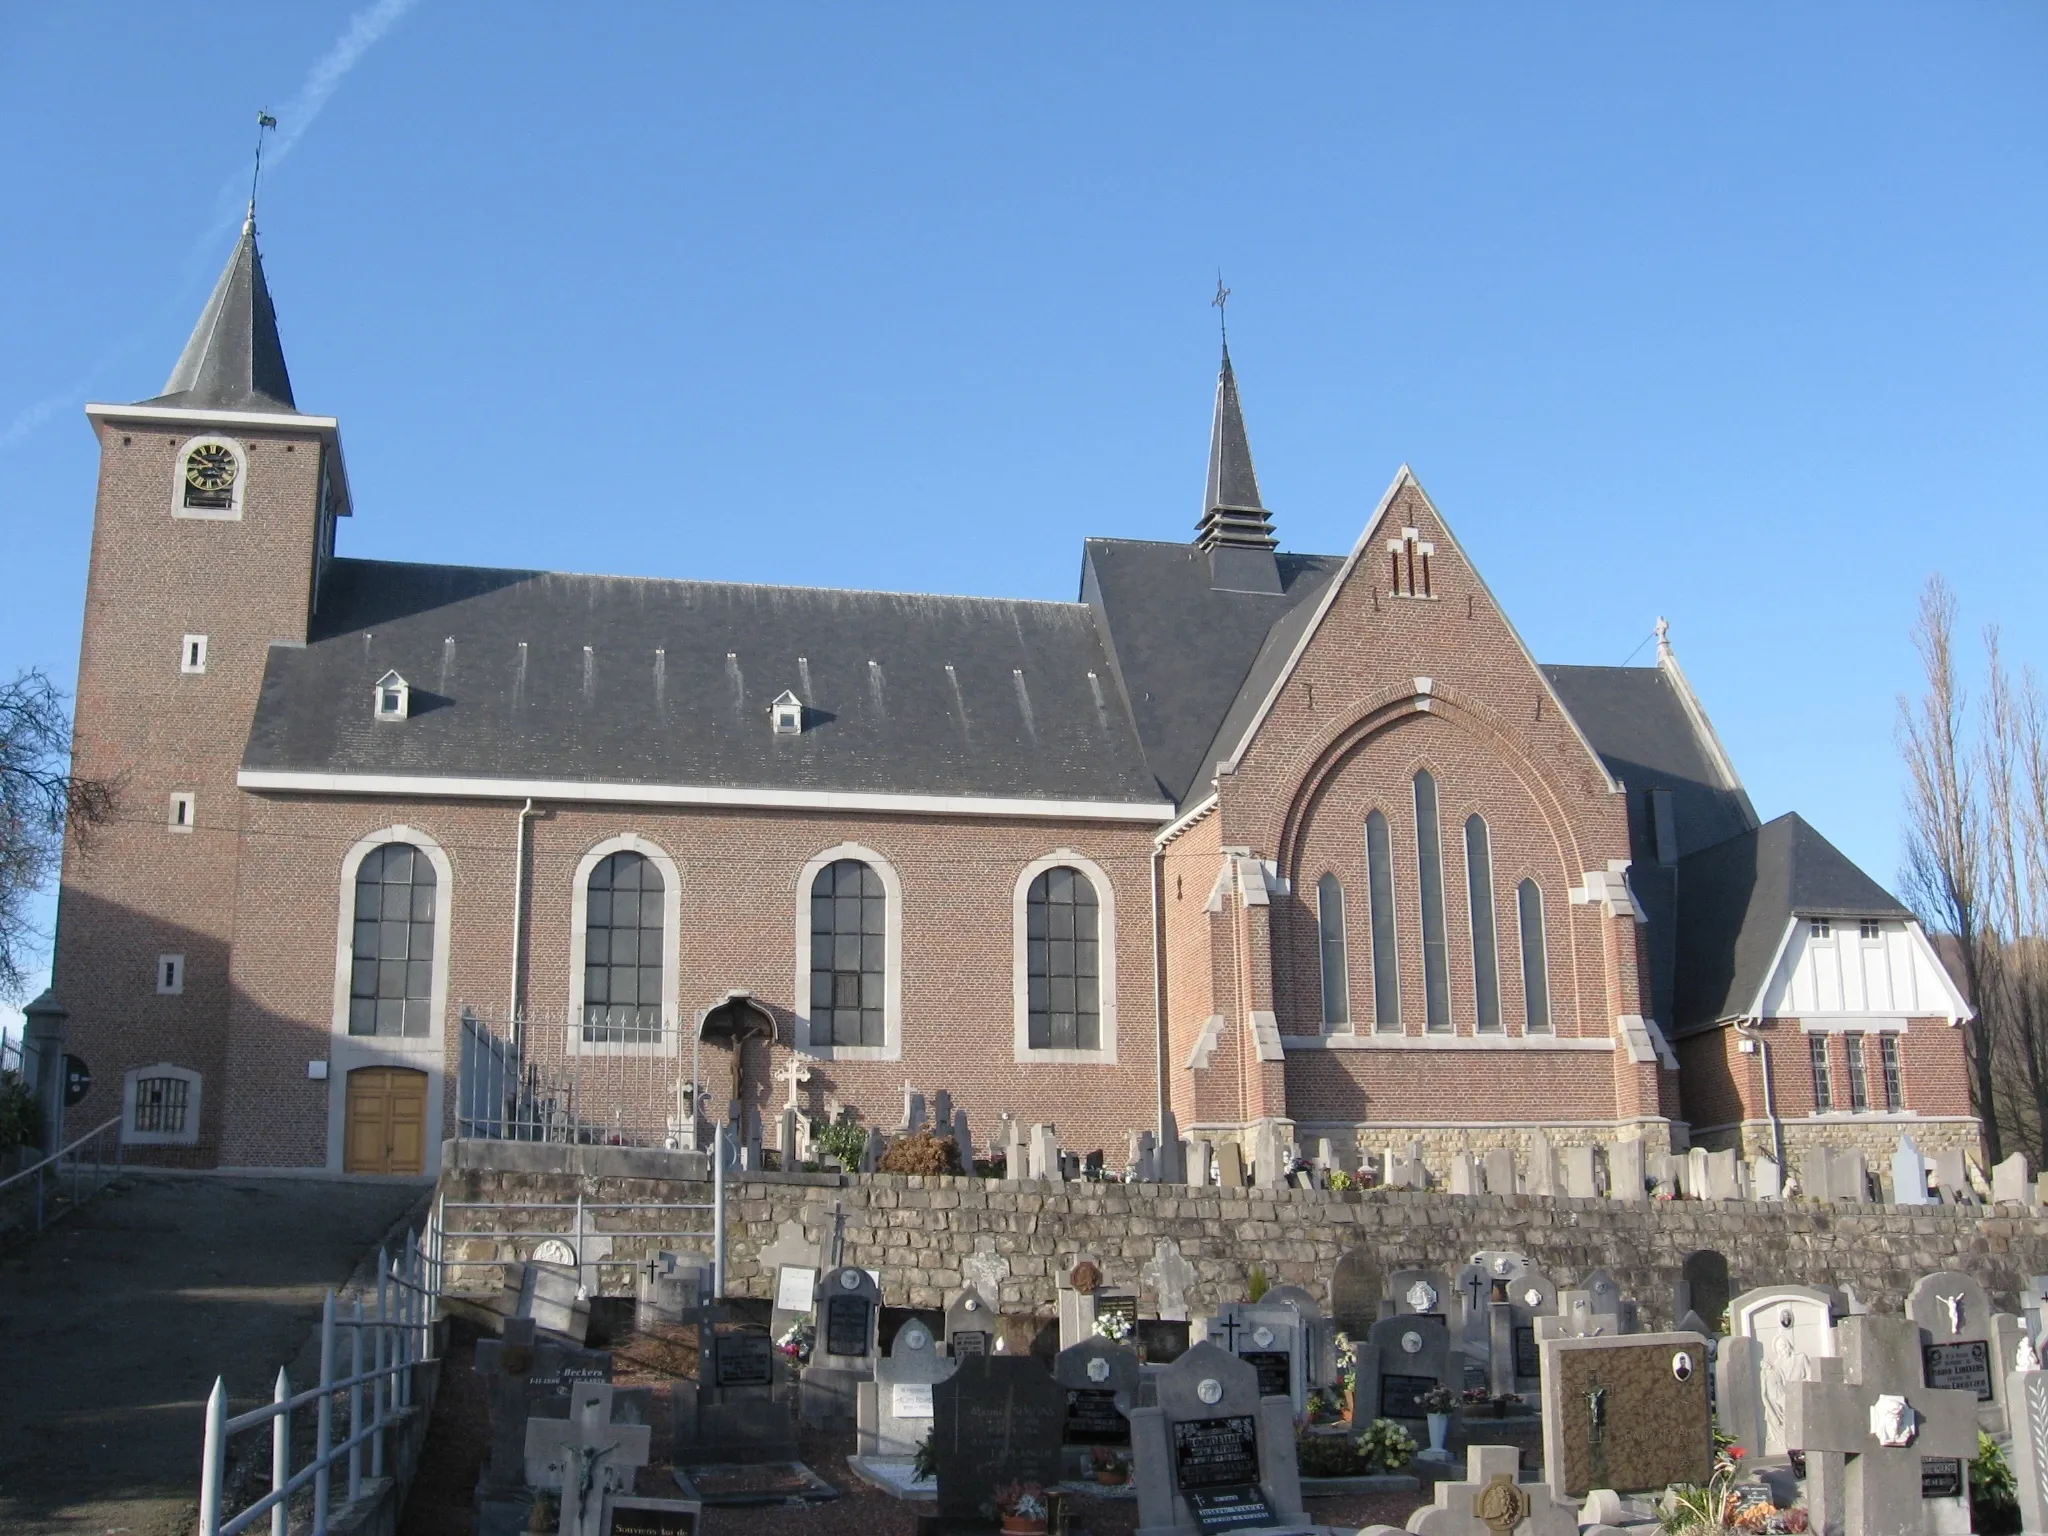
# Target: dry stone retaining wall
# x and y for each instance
(917, 1231)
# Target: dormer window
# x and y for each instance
(786, 714)
(394, 697)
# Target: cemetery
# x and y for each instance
(1130, 1355)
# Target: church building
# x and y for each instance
(1268, 847)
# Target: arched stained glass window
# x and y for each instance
(623, 933)
(849, 928)
(1429, 861)
(1535, 964)
(1330, 940)
(391, 972)
(1386, 964)
(1485, 955)
(1064, 962)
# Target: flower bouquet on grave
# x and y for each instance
(1386, 1445)
(1439, 1400)
(1347, 1373)
(797, 1340)
(924, 1464)
(1023, 1507)
(1113, 1326)
(1112, 1467)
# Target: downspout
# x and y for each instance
(1748, 1032)
(1159, 987)
(518, 925)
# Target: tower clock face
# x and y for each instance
(210, 467)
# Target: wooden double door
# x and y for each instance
(387, 1121)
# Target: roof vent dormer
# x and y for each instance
(786, 714)
(393, 699)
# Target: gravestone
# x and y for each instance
(942, 1113)
(1075, 1300)
(2011, 1183)
(2026, 1395)
(1493, 1501)
(1604, 1299)
(1851, 1176)
(986, 1270)
(1626, 1173)
(1355, 1289)
(1500, 1172)
(552, 1295)
(1628, 1413)
(1016, 1149)
(1545, 1178)
(632, 1515)
(1201, 1164)
(1101, 1383)
(913, 1112)
(1959, 1342)
(895, 1409)
(1230, 1165)
(970, 1324)
(670, 1290)
(1173, 1152)
(1703, 1286)
(1269, 1339)
(963, 1139)
(1896, 1431)
(1318, 1334)
(1723, 1182)
(741, 1407)
(1210, 1443)
(507, 1367)
(1580, 1180)
(1421, 1290)
(1045, 1152)
(872, 1150)
(1116, 1314)
(1909, 1174)
(796, 1290)
(1776, 1333)
(585, 1457)
(1952, 1176)
(1529, 1295)
(849, 1304)
(1464, 1177)
(1399, 1360)
(998, 1419)
(1171, 1277)
(1766, 1179)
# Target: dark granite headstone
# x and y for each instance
(1703, 1286)
(1401, 1396)
(1231, 1509)
(1527, 1362)
(1215, 1453)
(998, 1419)
(742, 1358)
(1941, 1477)
(1274, 1367)
(849, 1322)
(1964, 1366)
(1160, 1340)
(1355, 1290)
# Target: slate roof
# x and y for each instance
(234, 360)
(1741, 895)
(905, 694)
(1190, 653)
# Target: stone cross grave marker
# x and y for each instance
(586, 1456)
(1492, 1501)
(2026, 1397)
(970, 1323)
(1101, 1382)
(1211, 1446)
(985, 1270)
(670, 1289)
(1626, 1412)
(1890, 1425)
(1355, 1291)
(996, 1420)
(1960, 1347)
(895, 1409)
(1171, 1276)
(1776, 1333)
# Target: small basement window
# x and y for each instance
(786, 714)
(192, 655)
(184, 811)
(394, 697)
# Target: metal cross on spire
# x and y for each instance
(1222, 314)
(263, 121)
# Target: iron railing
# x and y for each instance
(551, 1078)
(398, 1337)
(49, 1175)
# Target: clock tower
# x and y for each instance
(213, 525)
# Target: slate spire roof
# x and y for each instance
(234, 361)
(1231, 511)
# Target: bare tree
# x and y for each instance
(1945, 833)
(40, 801)
(2010, 964)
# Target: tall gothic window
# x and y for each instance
(391, 975)
(1386, 965)
(1429, 860)
(623, 932)
(1485, 959)
(1330, 935)
(1535, 961)
(849, 917)
(1064, 962)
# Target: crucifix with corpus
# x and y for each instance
(586, 1455)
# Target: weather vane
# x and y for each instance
(263, 121)
(1222, 313)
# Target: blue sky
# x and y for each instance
(1730, 313)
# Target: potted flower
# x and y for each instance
(1437, 1404)
(1111, 1469)
(1023, 1508)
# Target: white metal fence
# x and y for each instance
(396, 1339)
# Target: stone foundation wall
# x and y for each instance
(1875, 1137)
(918, 1232)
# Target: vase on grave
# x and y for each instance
(1439, 1428)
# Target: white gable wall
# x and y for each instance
(1896, 973)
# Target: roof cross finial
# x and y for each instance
(1222, 314)
(263, 121)
(1663, 637)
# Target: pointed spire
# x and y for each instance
(1231, 511)
(234, 361)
